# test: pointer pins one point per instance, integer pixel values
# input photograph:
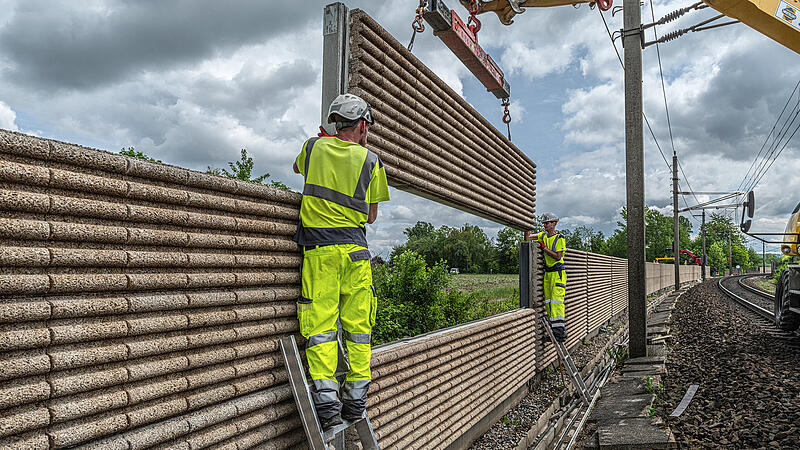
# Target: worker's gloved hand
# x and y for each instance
(541, 244)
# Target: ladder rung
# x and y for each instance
(317, 439)
(563, 355)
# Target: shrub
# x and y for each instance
(785, 260)
(414, 299)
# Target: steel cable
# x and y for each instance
(764, 165)
(747, 174)
(623, 68)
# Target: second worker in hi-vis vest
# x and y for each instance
(344, 182)
(555, 276)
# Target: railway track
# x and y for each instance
(759, 303)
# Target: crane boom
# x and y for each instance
(777, 19)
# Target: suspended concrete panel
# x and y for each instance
(434, 144)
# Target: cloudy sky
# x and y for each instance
(190, 82)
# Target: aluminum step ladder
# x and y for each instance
(317, 438)
(563, 355)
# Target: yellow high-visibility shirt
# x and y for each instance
(341, 180)
(555, 243)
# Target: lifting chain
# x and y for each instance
(473, 23)
(506, 115)
(417, 24)
(604, 5)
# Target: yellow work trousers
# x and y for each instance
(555, 287)
(337, 284)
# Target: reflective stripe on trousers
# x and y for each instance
(554, 291)
(338, 281)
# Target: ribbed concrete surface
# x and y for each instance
(140, 303)
(599, 290)
(619, 286)
(577, 304)
(430, 390)
(432, 141)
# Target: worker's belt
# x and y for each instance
(555, 267)
(312, 247)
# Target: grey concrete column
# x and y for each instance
(634, 167)
(527, 284)
(335, 57)
(703, 232)
(676, 242)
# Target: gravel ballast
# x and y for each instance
(749, 379)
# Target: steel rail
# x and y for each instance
(757, 291)
(769, 315)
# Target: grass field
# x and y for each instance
(470, 282)
(490, 288)
(767, 285)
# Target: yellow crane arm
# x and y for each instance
(776, 19)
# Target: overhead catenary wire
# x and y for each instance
(622, 64)
(777, 137)
(669, 17)
(772, 154)
(764, 172)
(777, 120)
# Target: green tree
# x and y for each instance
(508, 241)
(617, 243)
(467, 247)
(413, 298)
(740, 256)
(717, 256)
(423, 239)
(130, 151)
(659, 235)
(243, 170)
(720, 230)
(754, 257)
(598, 244)
(584, 238)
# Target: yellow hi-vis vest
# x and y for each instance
(554, 243)
(341, 179)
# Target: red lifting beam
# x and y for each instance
(464, 44)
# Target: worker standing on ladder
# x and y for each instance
(344, 182)
(555, 275)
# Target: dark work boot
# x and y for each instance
(330, 422)
(354, 399)
(326, 402)
(560, 334)
(352, 412)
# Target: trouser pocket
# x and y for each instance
(373, 307)
(303, 315)
(558, 292)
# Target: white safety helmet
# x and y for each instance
(347, 109)
(549, 217)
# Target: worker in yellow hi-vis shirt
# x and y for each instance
(344, 182)
(555, 276)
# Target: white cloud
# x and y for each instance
(241, 84)
(7, 117)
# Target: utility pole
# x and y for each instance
(676, 249)
(634, 177)
(730, 259)
(763, 258)
(703, 232)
